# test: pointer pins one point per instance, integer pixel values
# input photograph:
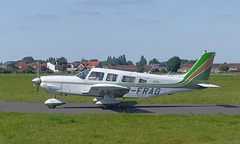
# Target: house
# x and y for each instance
(8, 65)
(21, 65)
(234, 66)
(87, 65)
(72, 70)
(37, 66)
(132, 68)
(73, 65)
(215, 68)
(52, 67)
(185, 67)
(158, 66)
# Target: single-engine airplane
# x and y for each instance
(108, 84)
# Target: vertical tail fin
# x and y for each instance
(200, 71)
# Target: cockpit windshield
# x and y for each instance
(83, 74)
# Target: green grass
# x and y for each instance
(118, 128)
(19, 88)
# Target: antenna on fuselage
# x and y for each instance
(170, 71)
(150, 70)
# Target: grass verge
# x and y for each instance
(15, 88)
(118, 128)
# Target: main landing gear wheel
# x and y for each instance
(51, 107)
(107, 102)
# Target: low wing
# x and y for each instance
(208, 86)
(107, 89)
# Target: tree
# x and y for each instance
(92, 60)
(61, 61)
(122, 60)
(63, 68)
(224, 67)
(83, 60)
(115, 61)
(140, 64)
(173, 64)
(153, 61)
(28, 59)
(130, 63)
(51, 59)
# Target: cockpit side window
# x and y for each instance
(112, 77)
(96, 76)
(83, 74)
(128, 79)
(142, 81)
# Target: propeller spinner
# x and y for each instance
(37, 81)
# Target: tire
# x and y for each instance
(51, 107)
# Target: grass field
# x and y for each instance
(19, 88)
(122, 127)
(118, 128)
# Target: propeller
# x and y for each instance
(37, 80)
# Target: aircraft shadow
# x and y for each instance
(133, 108)
(229, 106)
(128, 108)
(122, 108)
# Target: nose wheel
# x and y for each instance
(53, 102)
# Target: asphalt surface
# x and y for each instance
(156, 109)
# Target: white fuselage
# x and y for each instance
(140, 84)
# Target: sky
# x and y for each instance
(96, 29)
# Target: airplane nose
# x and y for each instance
(36, 80)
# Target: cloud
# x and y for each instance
(46, 16)
(24, 28)
(113, 2)
(122, 13)
(225, 15)
(85, 12)
(147, 21)
(3, 28)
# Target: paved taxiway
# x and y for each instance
(156, 109)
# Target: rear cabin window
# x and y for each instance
(128, 79)
(96, 76)
(142, 81)
(112, 77)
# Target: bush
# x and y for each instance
(234, 71)
(4, 71)
(163, 70)
(155, 71)
(49, 71)
(13, 70)
(27, 70)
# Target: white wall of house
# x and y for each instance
(52, 67)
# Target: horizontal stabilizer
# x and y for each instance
(208, 86)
